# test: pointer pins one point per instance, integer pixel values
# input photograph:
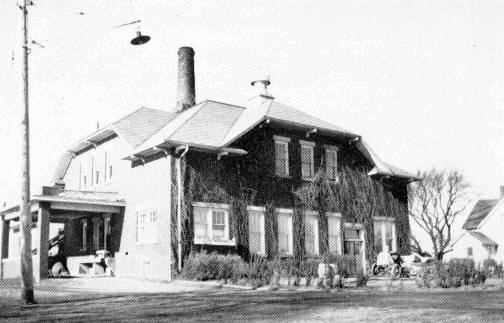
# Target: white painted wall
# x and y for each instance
(492, 227)
(142, 187)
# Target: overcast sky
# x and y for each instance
(421, 81)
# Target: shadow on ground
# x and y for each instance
(228, 305)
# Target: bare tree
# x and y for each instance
(435, 202)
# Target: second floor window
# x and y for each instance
(332, 163)
(281, 156)
(107, 173)
(307, 164)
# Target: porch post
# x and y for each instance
(4, 242)
(44, 218)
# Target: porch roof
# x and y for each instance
(82, 197)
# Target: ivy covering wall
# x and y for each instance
(355, 195)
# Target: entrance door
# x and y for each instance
(353, 246)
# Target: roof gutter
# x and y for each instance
(194, 147)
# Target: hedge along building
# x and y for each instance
(262, 179)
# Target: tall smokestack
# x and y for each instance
(186, 92)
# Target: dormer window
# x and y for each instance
(331, 162)
(281, 156)
(307, 164)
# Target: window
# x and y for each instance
(257, 239)
(84, 234)
(84, 177)
(311, 233)
(107, 167)
(211, 224)
(307, 164)
(147, 231)
(281, 155)
(218, 225)
(285, 243)
(334, 230)
(96, 170)
(469, 252)
(384, 235)
(353, 241)
(332, 162)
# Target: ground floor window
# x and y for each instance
(353, 242)
(257, 239)
(311, 233)
(334, 232)
(211, 223)
(384, 235)
(147, 231)
(285, 242)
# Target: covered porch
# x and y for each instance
(90, 229)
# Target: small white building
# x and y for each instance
(483, 236)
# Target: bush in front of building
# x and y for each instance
(347, 265)
(455, 273)
(212, 266)
(492, 268)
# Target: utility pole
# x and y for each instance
(25, 219)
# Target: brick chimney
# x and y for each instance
(186, 92)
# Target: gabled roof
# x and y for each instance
(134, 128)
(485, 241)
(140, 125)
(219, 125)
(479, 212)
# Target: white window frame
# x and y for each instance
(262, 211)
(147, 230)
(332, 150)
(285, 142)
(309, 215)
(209, 239)
(333, 215)
(108, 166)
(290, 213)
(310, 145)
(382, 222)
(84, 174)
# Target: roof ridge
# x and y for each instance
(159, 129)
(203, 103)
(232, 126)
(220, 102)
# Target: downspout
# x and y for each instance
(179, 207)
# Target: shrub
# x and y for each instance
(347, 265)
(455, 273)
(309, 269)
(204, 266)
(258, 271)
(361, 279)
(491, 267)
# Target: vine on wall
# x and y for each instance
(358, 198)
(355, 195)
